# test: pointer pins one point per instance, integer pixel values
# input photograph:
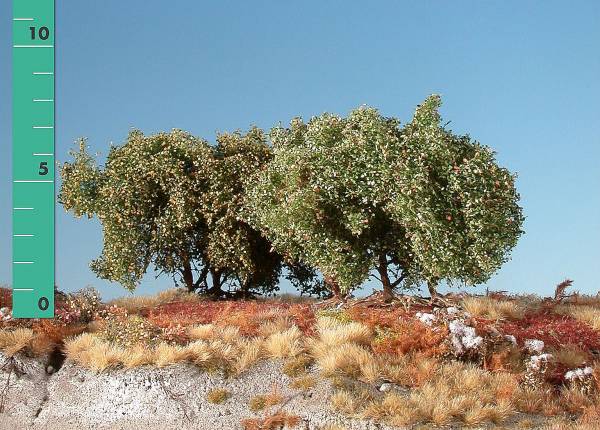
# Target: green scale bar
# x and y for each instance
(33, 159)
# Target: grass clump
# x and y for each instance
(494, 309)
(15, 341)
(218, 396)
(275, 421)
(264, 401)
(303, 383)
(284, 344)
(134, 304)
(296, 366)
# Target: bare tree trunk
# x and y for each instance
(215, 289)
(432, 287)
(333, 285)
(388, 291)
(188, 276)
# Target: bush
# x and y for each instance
(128, 330)
(356, 195)
(80, 306)
(173, 201)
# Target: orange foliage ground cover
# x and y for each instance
(247, 316)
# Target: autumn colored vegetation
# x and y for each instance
(506, 359)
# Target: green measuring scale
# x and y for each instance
(33, 159)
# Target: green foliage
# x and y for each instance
(349, 195)
(174, 201)
(127, 331)
(459, 208)
(84, 303)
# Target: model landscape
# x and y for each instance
(327, 204)
(491, 361)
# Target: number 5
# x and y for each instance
(43, 169)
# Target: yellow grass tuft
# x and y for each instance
(284, 344)
(348, 359)
(250, 352)
(166, 355)
(139, 355)
(278, 324)
(229, 334)
(15, 341)
(333, 333)
(455, 392)
(93, 353)
(344, 402)
(202, 332)
(200, 353)
(488, 307)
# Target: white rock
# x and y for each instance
(534, 345)
(578, 374)
(452, 310)
(535, 361)
(425, 318)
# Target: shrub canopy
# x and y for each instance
(350, 197)
(357, 194)
(174, 201)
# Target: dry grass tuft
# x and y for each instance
(348, 359)
(250, 352)
(455, 392)
(166, 354)
(276, 421)
(134, 304)
(343, 401)
(303, 383)
(15, 341)
(264, 401)
(333, 333)
(89, 351)
(411, 370)
(284, 344)
(218, 396)
(571, 356)
(274, 323)
(490, 308)
(202, 332)
(296, 366)
(139, 355)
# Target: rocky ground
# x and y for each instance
(149, 398)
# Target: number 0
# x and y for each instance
(43, 303)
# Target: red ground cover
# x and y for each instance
(5, 298)
(554, 330)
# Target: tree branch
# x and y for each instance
(400, 279)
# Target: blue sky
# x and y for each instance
(521, 77)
